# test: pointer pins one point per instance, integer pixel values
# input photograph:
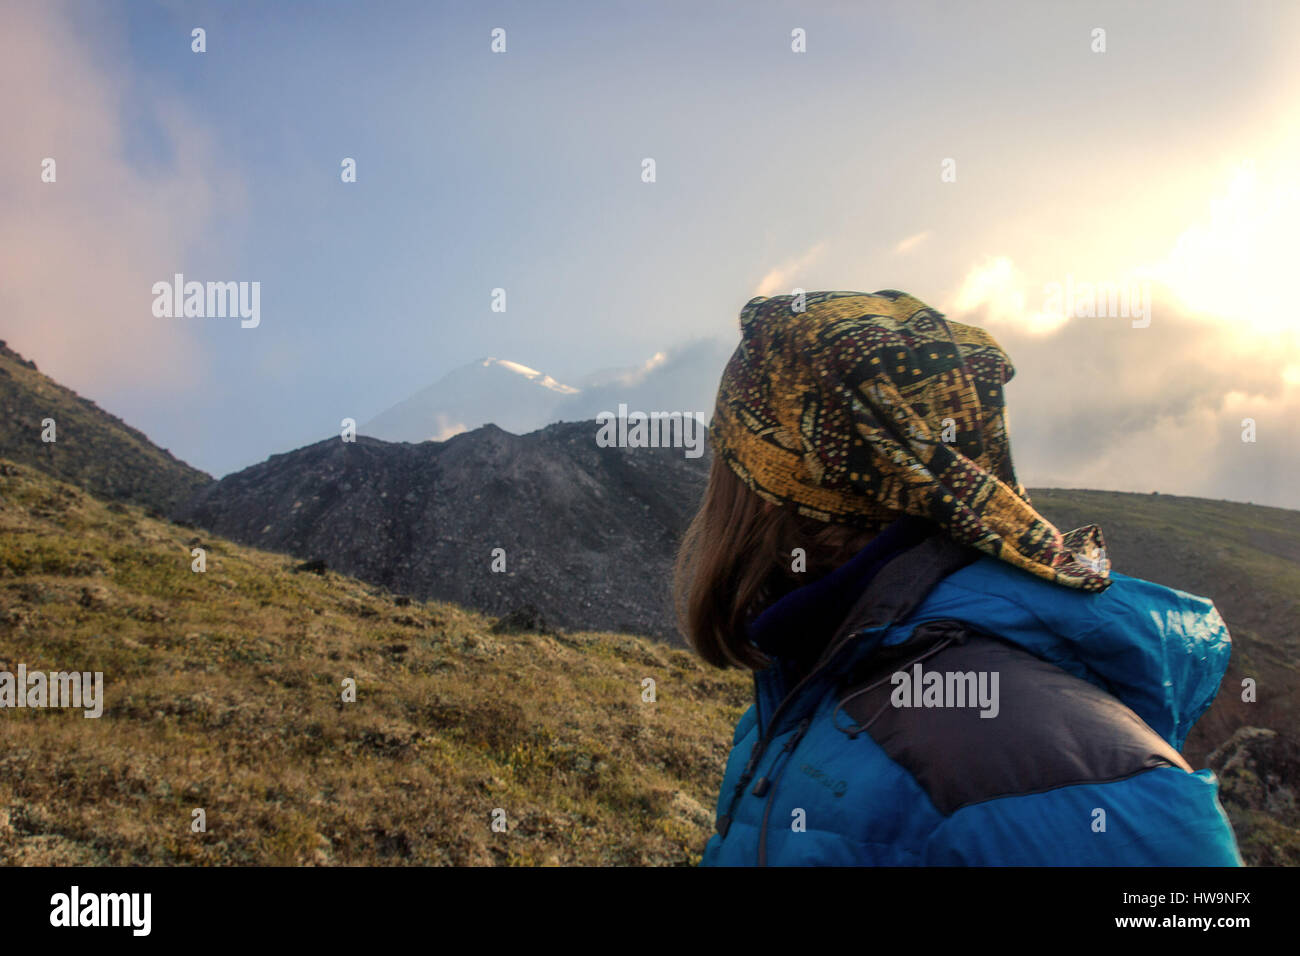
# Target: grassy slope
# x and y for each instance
(94, 450)
(223, 692)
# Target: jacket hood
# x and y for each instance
(1161, 651)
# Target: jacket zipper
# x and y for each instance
(765, 738)
(766, 787)
(770, 789)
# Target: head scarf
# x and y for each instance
(859, 408)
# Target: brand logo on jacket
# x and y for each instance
(837, 787)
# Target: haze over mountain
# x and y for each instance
(521, 399)
(497, 391)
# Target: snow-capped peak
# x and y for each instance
(531, 374)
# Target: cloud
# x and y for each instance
(445, 428)
(999, 290)
(83, 252)
(1098, 403)
(911, 242)
(1237, 262)
(626, 377)
(780, 280)
(684, 378)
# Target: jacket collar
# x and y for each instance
(795, 629)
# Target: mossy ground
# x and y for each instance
(223, 692)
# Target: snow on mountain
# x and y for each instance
(490, 391)
(520, 399)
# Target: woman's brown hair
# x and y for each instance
(735, 559)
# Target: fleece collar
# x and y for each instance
(795, 629)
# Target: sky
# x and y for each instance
(980, 156)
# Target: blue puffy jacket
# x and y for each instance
(931, 706)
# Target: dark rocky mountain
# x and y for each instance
(588, 533)
(94, 450)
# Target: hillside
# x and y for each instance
(223, 692)
(94, 450)
(588, 533)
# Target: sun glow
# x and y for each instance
(1238, 264)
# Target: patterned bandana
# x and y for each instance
(860, 408)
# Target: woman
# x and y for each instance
(940, 676)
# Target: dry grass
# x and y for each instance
(224, 692)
